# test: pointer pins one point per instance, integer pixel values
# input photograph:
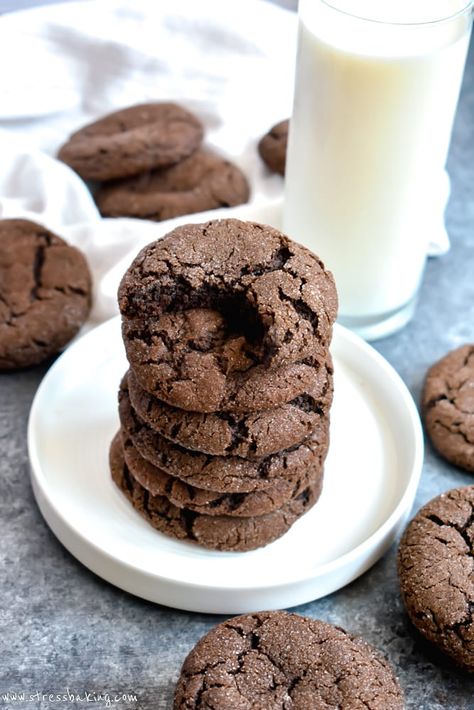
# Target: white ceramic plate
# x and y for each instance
(372, 472)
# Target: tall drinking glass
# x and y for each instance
(377, 84)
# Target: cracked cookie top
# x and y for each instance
(132, 140)
(190, 361)
(203, 181)
(436, 571)
(448, 406)
(45, 293)
(209, 304)
(282, 661)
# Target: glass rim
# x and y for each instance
(469, 6)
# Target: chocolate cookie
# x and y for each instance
(215, 532)
(132, 140)
(251, 435)
(272, 147)
(448, 406)
(203, 181)
(274, 305)
(436, 570)
(223, 473)
(277, 661)
(183, 495)
(192, 362)
(45, 293)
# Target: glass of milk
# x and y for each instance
(377, 84)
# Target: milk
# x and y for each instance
(369, 136)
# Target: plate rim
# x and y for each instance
(373, 541)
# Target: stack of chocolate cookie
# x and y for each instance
(225, 409)
(151, 164)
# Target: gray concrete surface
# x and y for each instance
(61, 627)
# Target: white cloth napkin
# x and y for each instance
(232, 63)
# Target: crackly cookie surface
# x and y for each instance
(436, 571)
(191, 361)
(45, 293)
(132, 140)
(184, 495)
(250, 435)
(223, 473)
(282, 661)
(448, 406)
(272, 147)
(211, 308)
(222, 532)
(203, 181)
